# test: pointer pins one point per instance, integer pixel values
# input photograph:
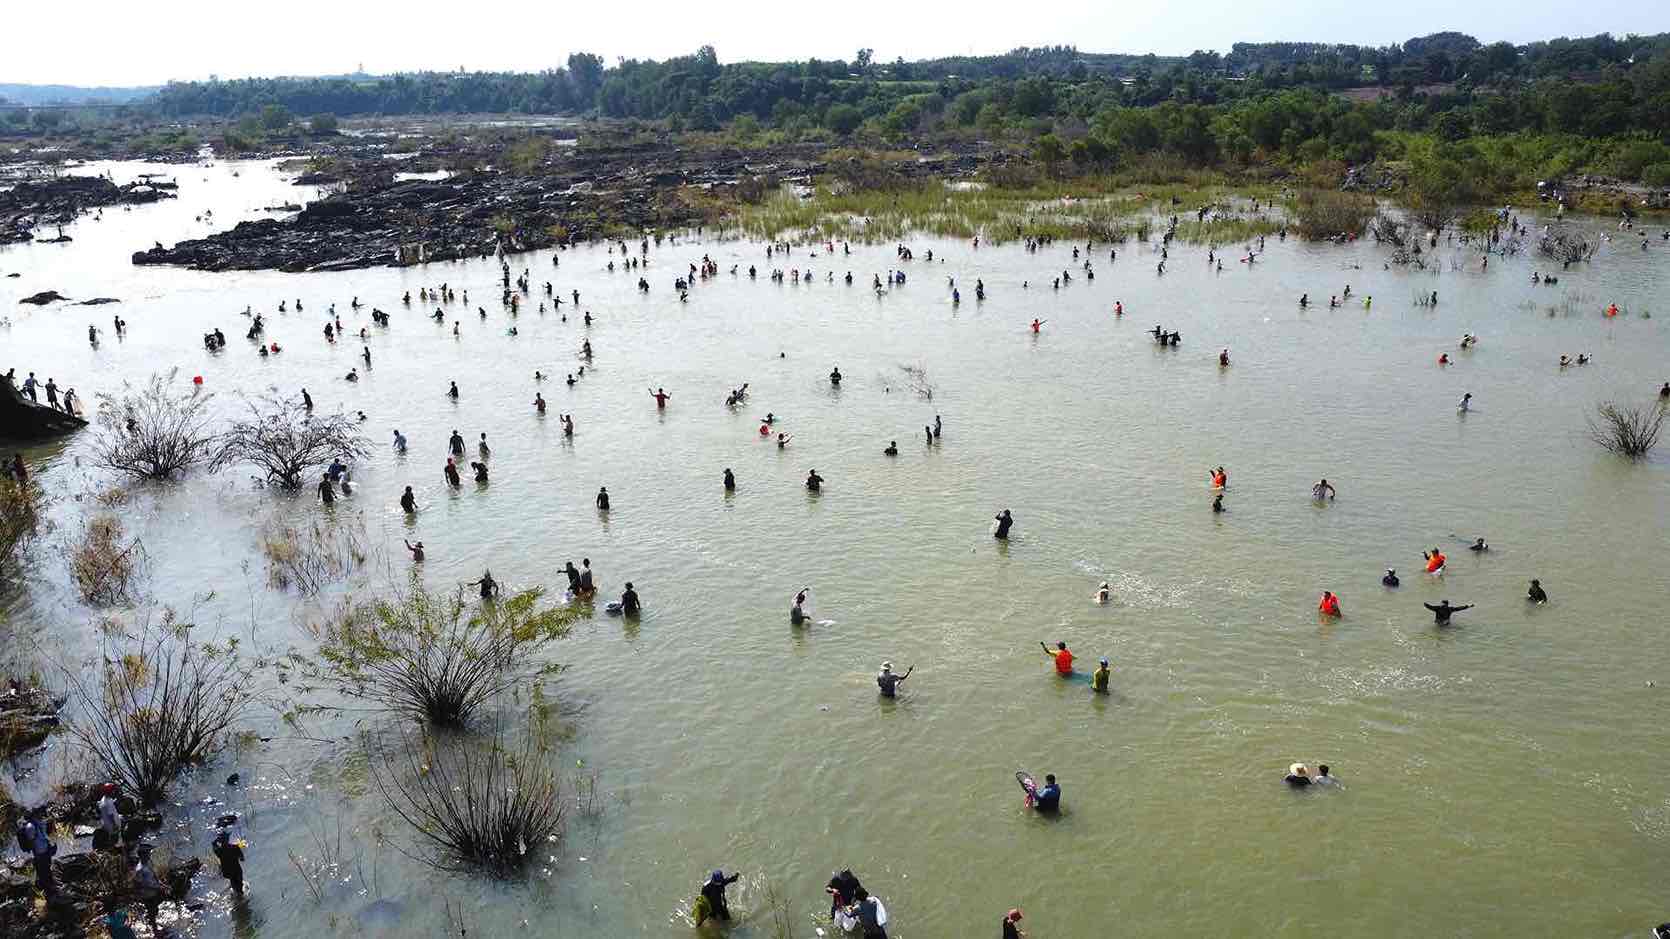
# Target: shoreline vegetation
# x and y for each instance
(1077, 144)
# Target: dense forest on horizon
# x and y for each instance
(1500, 114)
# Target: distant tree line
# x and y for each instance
(1599, 103)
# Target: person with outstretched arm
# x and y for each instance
(1442, 612)
(1063, 658)
(889, 682)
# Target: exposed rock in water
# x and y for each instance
(44, 297)
(28, 420)
(98, 301)
(27, 716)
(417, 221)
(29, 205)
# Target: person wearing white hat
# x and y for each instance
(1298, 776)
(889, 682)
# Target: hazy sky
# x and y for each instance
(103, 42)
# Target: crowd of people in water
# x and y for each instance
(853, 909)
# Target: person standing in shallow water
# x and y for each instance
(814, 482)
(603, 499)
(1004, 521)
(1442, 612)
(231, 858)
(730, 480)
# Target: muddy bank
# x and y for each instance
(31, 205)
(574, 196)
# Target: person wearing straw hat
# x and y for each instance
(889, 682)
(1298, 776)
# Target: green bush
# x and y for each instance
(843, 119)
(1657, 175)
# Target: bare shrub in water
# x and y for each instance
(105, 564)
(1564, 248)
(22, 519)
(1626, 429)
(310, 556)
(285, 442)
(155, 703)
(480, 805)
(152, 432)
(916, 379)
(434, 658)
(1323, 214)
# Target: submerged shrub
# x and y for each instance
(435, 658)
(484, 805)
(1626, 429)
(156, 704)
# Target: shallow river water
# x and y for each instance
(1505, 776)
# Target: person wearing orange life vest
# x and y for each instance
(1434, 561)
(1063, 658)
(1220, 479)
(1329, 605)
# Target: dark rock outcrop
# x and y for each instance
(44, 297)
(29, 205)
(27, 716)
(23, 419)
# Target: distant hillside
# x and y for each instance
(70, 94)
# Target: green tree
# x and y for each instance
(1049, 151)
(843, 119)
(322, 125)
(276, 117)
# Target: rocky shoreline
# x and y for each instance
(32, 204)
(578, 195)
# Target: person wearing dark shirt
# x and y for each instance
(327, 492)
(480, 471)
(714, 891)
(629, 601)
(408, 502)
(231, 861)
(489, 586)
(730, 480)
(456, 443)
(1049, 797)
(814, 482)
(1010, 930)
(603, 499)
(842, 888)
(1390, 580)
(889, 682)
(1297, 776)
(1536, 594)
(1441, 613)
(1004, 520)
(868, 911)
